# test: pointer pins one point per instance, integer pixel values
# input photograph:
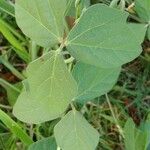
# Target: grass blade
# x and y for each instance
(12, 29)
(7, 7)
(18, 48)
(15, 128)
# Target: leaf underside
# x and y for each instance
(47, 91)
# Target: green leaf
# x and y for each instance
(12, 94)
(139, 30)
(129, 132)
(140, 140)
(42, 21)
(135, 139)
(13, 91)
(93, 81)
(44, 144)
(70, 10)
(47, 91)
(145, 127)
(102, 38)
(7, 7)
(148, 32)
(73, 132)
(142, 7)
(6, 139)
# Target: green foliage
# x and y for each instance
(13, 91)
(19, 49)
(73, 132)
(104, 41)
(12, 94)
(7, 7)
(142, 7)
(47, 91)
(93, 81)
(101, 50)
(135, 139)
(70, 11)
(41, 20)
(129, 135)
(44, 144)
(15, 128)
(75, 7)
(73, 66)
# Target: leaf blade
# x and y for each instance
(97, 42)
(47, 92)
(142, 8)
(93, 81)
(75, 133)
(129, 131)
(42, 23)
(44, 144)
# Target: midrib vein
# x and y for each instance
(100, 25)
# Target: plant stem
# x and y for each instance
(137, 19)
(59, 50)
(11, 68)
(73, 107)
(6, 85)
(113, 115)
(67, 61)
(45, 50)
(5, 107)
(15, 128)
(33, 51)
(58, 148)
